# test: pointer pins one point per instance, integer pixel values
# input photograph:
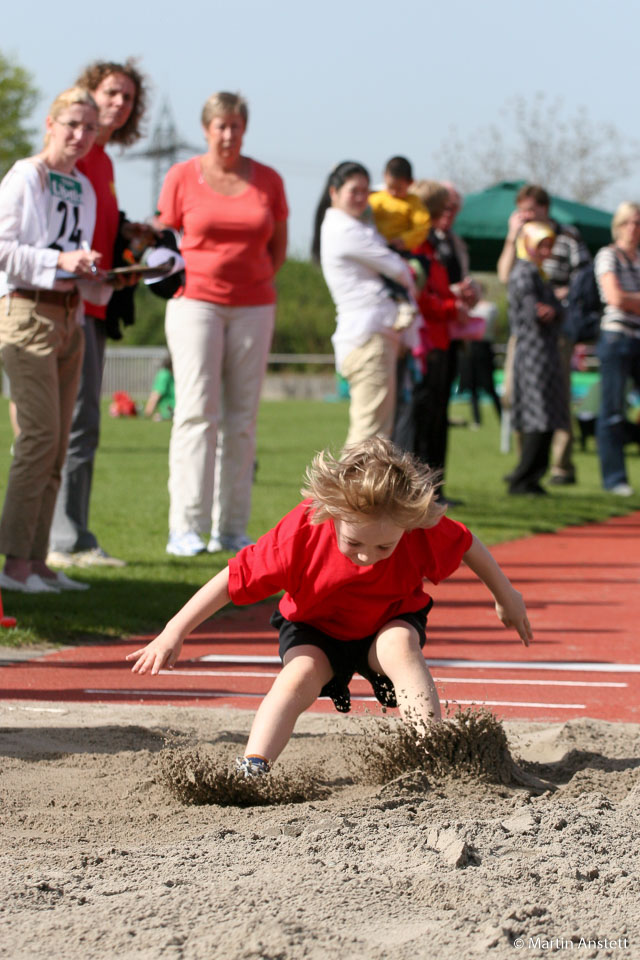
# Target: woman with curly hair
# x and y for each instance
(119, 92)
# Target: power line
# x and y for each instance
(165, 148)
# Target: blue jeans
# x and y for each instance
(619, 356)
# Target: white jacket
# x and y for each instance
(26, 211)
(353, 255)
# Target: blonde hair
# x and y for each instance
(69, 98)
(222, 103)
(623, 213)
(433, 195)
(373, 479)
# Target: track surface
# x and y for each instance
(582, 588)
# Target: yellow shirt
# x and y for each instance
(397, 218)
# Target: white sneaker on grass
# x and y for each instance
(96, 557)
(33, 584)
(187, 544)
(60, 558)
(233, 543)
(62, 582)
(622, 490)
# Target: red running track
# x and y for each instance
(582, 591)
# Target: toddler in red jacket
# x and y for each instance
(353, 559)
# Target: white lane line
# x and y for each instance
(532, 683)
(575, 666)
(273, 673)
(210, 694)
(218, 673)
(233, 658)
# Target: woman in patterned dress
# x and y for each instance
(534, 316)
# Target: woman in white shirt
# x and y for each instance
(353, 255)
(47, 218)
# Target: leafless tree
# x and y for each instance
(537, 141)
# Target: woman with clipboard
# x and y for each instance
(47, 217)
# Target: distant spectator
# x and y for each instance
(440, 307)
(477, 362)
(354, 258)
(569, 253)
(617, 270)
(535, 317)
(452, 252)
(162, 399)
(398, 214)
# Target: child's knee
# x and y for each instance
(306, 669)
(396, 644)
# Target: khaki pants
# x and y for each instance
(370, 371)
(41, 350)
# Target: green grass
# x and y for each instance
(130, 504)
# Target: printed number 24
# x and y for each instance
(75, 237)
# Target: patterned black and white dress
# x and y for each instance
(537, 372)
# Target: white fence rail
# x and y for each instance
(133, 369)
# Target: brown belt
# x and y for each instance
(68, 299)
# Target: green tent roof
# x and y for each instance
(482, 222)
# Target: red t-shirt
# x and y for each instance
(327, 590)
(98, 168)
(225, 239)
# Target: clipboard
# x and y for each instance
(146, 272)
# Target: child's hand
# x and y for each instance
(161, 652)
(513, 613)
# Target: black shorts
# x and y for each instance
(346, 656)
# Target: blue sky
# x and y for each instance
(338, 80)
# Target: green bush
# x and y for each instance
(305, 317)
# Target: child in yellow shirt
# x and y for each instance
(404, 223)
(399, 215)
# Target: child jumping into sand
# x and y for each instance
(352, 559)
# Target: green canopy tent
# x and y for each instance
(482, 222)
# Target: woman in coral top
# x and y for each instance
(232, 213)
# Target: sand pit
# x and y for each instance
(352, 850)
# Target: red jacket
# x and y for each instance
(437, 304)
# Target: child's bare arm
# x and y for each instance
(509, 603)
(165, 649)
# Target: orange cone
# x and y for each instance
(6, 621)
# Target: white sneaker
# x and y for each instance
(62, 582)
(186, 544)
(250, 767)
(33, 584)
(622, 490)
(59, 558)
(218, 543)
(96, 557)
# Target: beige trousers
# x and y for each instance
(370, 371)
(219, 356)
(41, 349)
